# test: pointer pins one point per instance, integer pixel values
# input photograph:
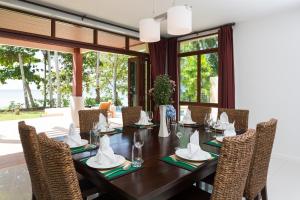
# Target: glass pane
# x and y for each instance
(136, 45)
(73, 32)
(200, 43)
(111, 40)
(182, 109)
(188, 79)
(209, 78)
(24, 22)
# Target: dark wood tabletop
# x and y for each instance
(157, 179)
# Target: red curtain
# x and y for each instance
(173, 67)
(226, 68)
(158, 53)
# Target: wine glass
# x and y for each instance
(150, 115)
(138, 140)
(108, 122)
(207, 122)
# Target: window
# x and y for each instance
(202, 43)
(110, 39)
(198, 69)
(188, 79)
(136, 45)
(24, 22)
(74, 32)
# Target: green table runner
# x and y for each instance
(214, 143)
(119, 171)
(191, 166)
(82, 149)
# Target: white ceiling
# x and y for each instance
(206, 13)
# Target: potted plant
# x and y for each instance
(162, 93)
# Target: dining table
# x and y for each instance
(156, 179)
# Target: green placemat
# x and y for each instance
(119, 130)
(115, 172)
(214, 143)
(82, 149)
(191, 166)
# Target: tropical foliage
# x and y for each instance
(189, 69)
(51, 72)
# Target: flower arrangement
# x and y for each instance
(171, 112)
(163, 90)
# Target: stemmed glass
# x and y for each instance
(207, 122)
(138, 140)
(94, 134)
(150, 115)
(108, 123)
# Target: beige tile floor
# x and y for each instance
(283, 181)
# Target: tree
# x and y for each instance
(50, 80)
(189, 70)
(57, 71)
(23, 80)
(45, 58)
(19, 64)
(97, 87)
(113, 80)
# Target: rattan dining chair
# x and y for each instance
(31, 149)
(257, 177)
(87, 118)
(199, 112)
(131, 115)
(60, 171)
(232, 170)
(240, 117)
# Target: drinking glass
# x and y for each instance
(207, 122)
(150, 115)
(173, 127)
(138, 140)
(108, 122)
(135, 158)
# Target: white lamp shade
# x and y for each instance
(149, 30)
(179, 20)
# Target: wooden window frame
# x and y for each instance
(52, 39)
(197, 53)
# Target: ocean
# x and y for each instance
(6, 96)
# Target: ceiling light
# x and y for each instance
(149, 30)
(179, 20)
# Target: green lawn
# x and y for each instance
(4, 116)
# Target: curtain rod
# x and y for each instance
(209, 29)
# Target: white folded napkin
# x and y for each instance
(230, 130)
(73, 138)
(187, 118)
(102, 124)
(223, 121)
(144, 120)
(224, 118)
(105, 154)
(194, 150)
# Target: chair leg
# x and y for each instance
(257, 197)
(33, 197)
(197, 184)
(264, 194)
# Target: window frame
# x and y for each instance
(197, 53)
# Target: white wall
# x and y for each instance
(267, 75)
